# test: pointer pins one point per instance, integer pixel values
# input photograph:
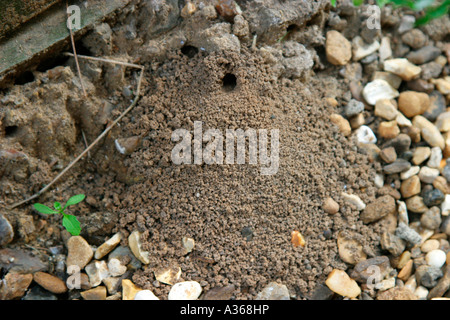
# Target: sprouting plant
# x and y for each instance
(70, 222)
(432, 9)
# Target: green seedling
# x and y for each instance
(70, 222)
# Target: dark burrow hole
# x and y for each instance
(24, 78)
(229, 82)
(189, 51)
(53, 62)
(11, 131)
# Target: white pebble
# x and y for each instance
(116, 268)
(410, 172)
(402, 212)
(435, 158)
(445, 206)
(421, 293)
(365, 135)
(427, 174)
(379, 180)
(355, 200)
(187, 290)
(145, 295)
(436, 258)
(378, 89)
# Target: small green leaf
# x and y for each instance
(44, 209)
(57, 206)
(357, 3)
(71, 224)
(74, 200)
(333, 3)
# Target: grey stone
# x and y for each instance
(219, 293)
(433, 197)
(125, 255)
(397, 166)
(401, 143)
(445, 227)
(404, 232)
(20, 261)
(428, 276)
(392, 243)
(38, 293)
(321, 292)
(407, 23)
(446, 172)
(442, 286)
(362, 271)
(431, 219)
(274, 291)
(430, 70)
(414, 38)
(353, 108)
(437, 106)
(6, 231)
(423, 55)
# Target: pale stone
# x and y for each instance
(421, 293)
(97, 271)
(429, 131)
(274, 291)
(330, 206)
(436, 258)
(145, 295)
(339, 282)
(98, 293)
(337, 48)
(430, 245)
(341, 123)
(354, 200)
(80, 252)
(116, 268)
(386, 109)
(386, 284)
(350, 250)
(134, 242)
(403, 68)
(427, 175)
(394, 80)
(435, 158)
(388, 129)
(378, 89)
(108, 246)
(365, 135)
(443, 85)
(443, 122)
(187, 290)
(403, 121)
(379, 180)
(361, 49)
(188, 244)
(168, 275)
(129, 290)
(445, 206)
(402, 212)
(385, 49)
(409, 173)
(420, 155)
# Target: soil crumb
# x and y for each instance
(241, 220)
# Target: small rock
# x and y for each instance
(416, 204)
(443, 84)
(320, 292)
(431, 219)
(408, 234)
(403, 121)
(406, 271)
(386, 109)
(432, 197)
(402, 212)
(430, 245)
(410, 187)
(219, 293)
(6, 231)
(354, 200)
(98, 293)
(441, 184)
(129, 290)
(420, 85)
(188, 244)
(50, 282)
(116, 268)
(145, 295)
(378, 89)
(274, 291)
(339, 282)
(350, 249)
(363, 270)
(365, 135)
(392, 243)
(297, 239)
(407, 22)
(361, 49)
(445, 227)
(385, 49)
(442, 286)
(403, 68)
(14, 285)
(341, 123)
(187, 290)
(430, 70)
(80, 252)
(427, 175)
(412, 103)
(397, 293)
(338, 49)
(401, 143)
(414, 38)
(330, 206)
(397, 166)
(125, 255)
(378, 209)
(420, 155)
(168, 275)
(428, 276)
(393, 80)
(388, 129)
(134, 242)
(97, 271)
(386, 284)
(410, 172)
(436, 258)
(388, 155)
(37, 293)
(112, 284)
(429, 132)
(108, 246)
(421, 292)
(423, 55)
(353, 108)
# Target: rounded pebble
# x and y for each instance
(186, 290)
(436, 258)
(145, 295)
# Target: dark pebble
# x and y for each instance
(433, 197)
(397, 166)
(423, 55)
(401, 143)
(437, 106)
